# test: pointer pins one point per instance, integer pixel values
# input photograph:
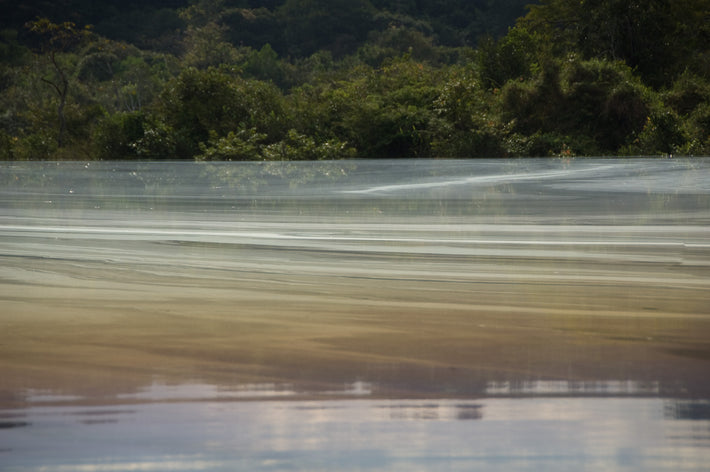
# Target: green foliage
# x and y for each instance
(198, 103)
(265, 65)
(149, 27)
(40, 145)
(219, 80)
(6, 146)
(687, 93)
(97, 66)
(604, 102)
(465, 126)
(115, 136)
(205, 46)
(515, 56)
(697, 128)
(336, 25)
(385, 112)
(51, 40)
(241, 145)
(657, 38)
(299, 147)
(138, 81)
(535, 105)
(454, 22)
(397, 41)
(12, 52)
(546, 144)
(662, 134)
(254, 28)
(248, 144)
(159, 141)
(598, 105)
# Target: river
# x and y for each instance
(523, 314)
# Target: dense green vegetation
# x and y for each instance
(317, 79)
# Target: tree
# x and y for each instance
(385, 112)
(205, 105)
(595, 106)
(206, 46)
(337, 25)
(465, 125)
(658, 38)
(512, 57)
(53, 40)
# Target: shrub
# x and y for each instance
(241, 145)
(662, 134)
(687, 93)
(200, 104)
(115, 136)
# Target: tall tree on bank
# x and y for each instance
(657, 38)
(54, 39)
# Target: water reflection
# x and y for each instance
(520, 434)
(257, 293)
(160, 392)
(13, 424)
(571, 387)
(689, 410)
(434, 411)
(589, 190)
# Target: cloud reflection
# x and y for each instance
(509, 433)
(573, 387)
(166, 464)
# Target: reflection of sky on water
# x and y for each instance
(160, 392)
(532, 433)
(451, 215)
(568, 388)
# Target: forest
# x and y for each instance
(316, 79)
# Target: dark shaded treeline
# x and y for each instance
(291, 27)
(316, 79)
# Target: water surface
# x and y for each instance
(648, 434)
(355, 315)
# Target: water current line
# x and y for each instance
(503, 178)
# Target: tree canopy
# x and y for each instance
(315, 79)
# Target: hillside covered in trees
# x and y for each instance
(328, 79)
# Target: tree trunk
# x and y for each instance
(62, 90)
(62, 120)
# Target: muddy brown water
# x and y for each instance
(351, 312)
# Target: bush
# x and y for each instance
(6, 146)
(159, 141)
(248, 145)
(116, 135)
(547, 145)
(35, 146)
(242, 145)
(515, 56)
(604, 101)
(536, 105)
(698, 125)
(299, 147)
(464, 126)
(199, 105)
(595, 107)
(687, 93)
(662, 134)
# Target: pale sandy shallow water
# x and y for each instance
(392, 315)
